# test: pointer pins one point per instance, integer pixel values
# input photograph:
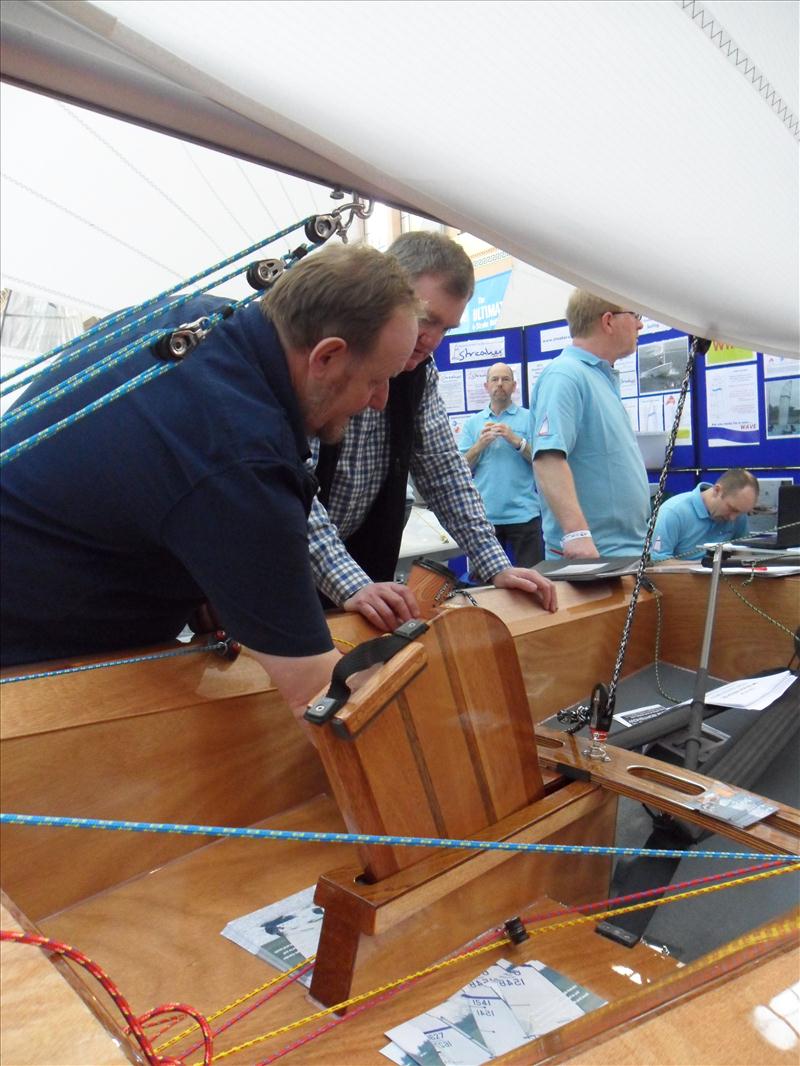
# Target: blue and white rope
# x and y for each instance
(106, 322)
(252, 833)
(30, 442)
(16, 450)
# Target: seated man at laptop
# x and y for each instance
(707, 514)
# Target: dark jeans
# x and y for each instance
(522, 541)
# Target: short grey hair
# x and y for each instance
(584, 310)
(424, 252)
(342, 291)
(736, 479)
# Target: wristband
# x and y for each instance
(522, 445)
(578, 534)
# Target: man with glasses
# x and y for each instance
(356, 524)
(589, 470)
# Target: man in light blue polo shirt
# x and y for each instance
(707, 514)
(589, 471)
(495, 445)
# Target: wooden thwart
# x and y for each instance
(441, 743)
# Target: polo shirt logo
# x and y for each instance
(544, 428)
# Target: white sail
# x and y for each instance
(646, 149)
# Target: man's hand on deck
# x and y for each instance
(517, 577)
(384, 604)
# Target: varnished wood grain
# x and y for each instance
(718, 1030)
(744, 641)
(158, 936)
(449, 754)
(658, 784)
(227, 763)
(427, 910)
(70, 700)
(703, 1014)
(40, 1007)
(562, 656)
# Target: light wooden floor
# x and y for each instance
(159, 938)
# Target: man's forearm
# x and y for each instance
(299, 680)
(473, 454)
(555, 482)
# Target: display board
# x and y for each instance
(462, 361)
(743, 407)
(749, 408)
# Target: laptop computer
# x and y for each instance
(788, 523)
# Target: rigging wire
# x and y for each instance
(264, 206)
(234, 218)
(91, 225)
(141, 174)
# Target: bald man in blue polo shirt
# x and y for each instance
(494, 443)
(589, 471)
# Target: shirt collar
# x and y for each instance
(489, 413)
(266, 351)
(589, 358)
(697, 500)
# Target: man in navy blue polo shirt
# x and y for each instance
(194, 486)
(589, 471)
(495, 444)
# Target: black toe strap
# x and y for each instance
(370, 653)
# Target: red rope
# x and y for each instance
(497, 934)
(134, 1023)
(634, 896)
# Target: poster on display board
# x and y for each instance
(782, 406)
(732, 417)
(749, 408)
(780, 366)
(720, 354)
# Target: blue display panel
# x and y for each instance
(749, 408)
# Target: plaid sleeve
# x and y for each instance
(336, 574)
(443, 477)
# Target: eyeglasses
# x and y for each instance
(635, 314)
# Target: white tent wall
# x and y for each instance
(612, 144)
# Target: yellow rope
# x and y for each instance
(658, 903)
(341, 640)
(360, 998)
(773, 932)
(491, 947)
(236, 1003)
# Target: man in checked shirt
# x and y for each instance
(356, 522)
